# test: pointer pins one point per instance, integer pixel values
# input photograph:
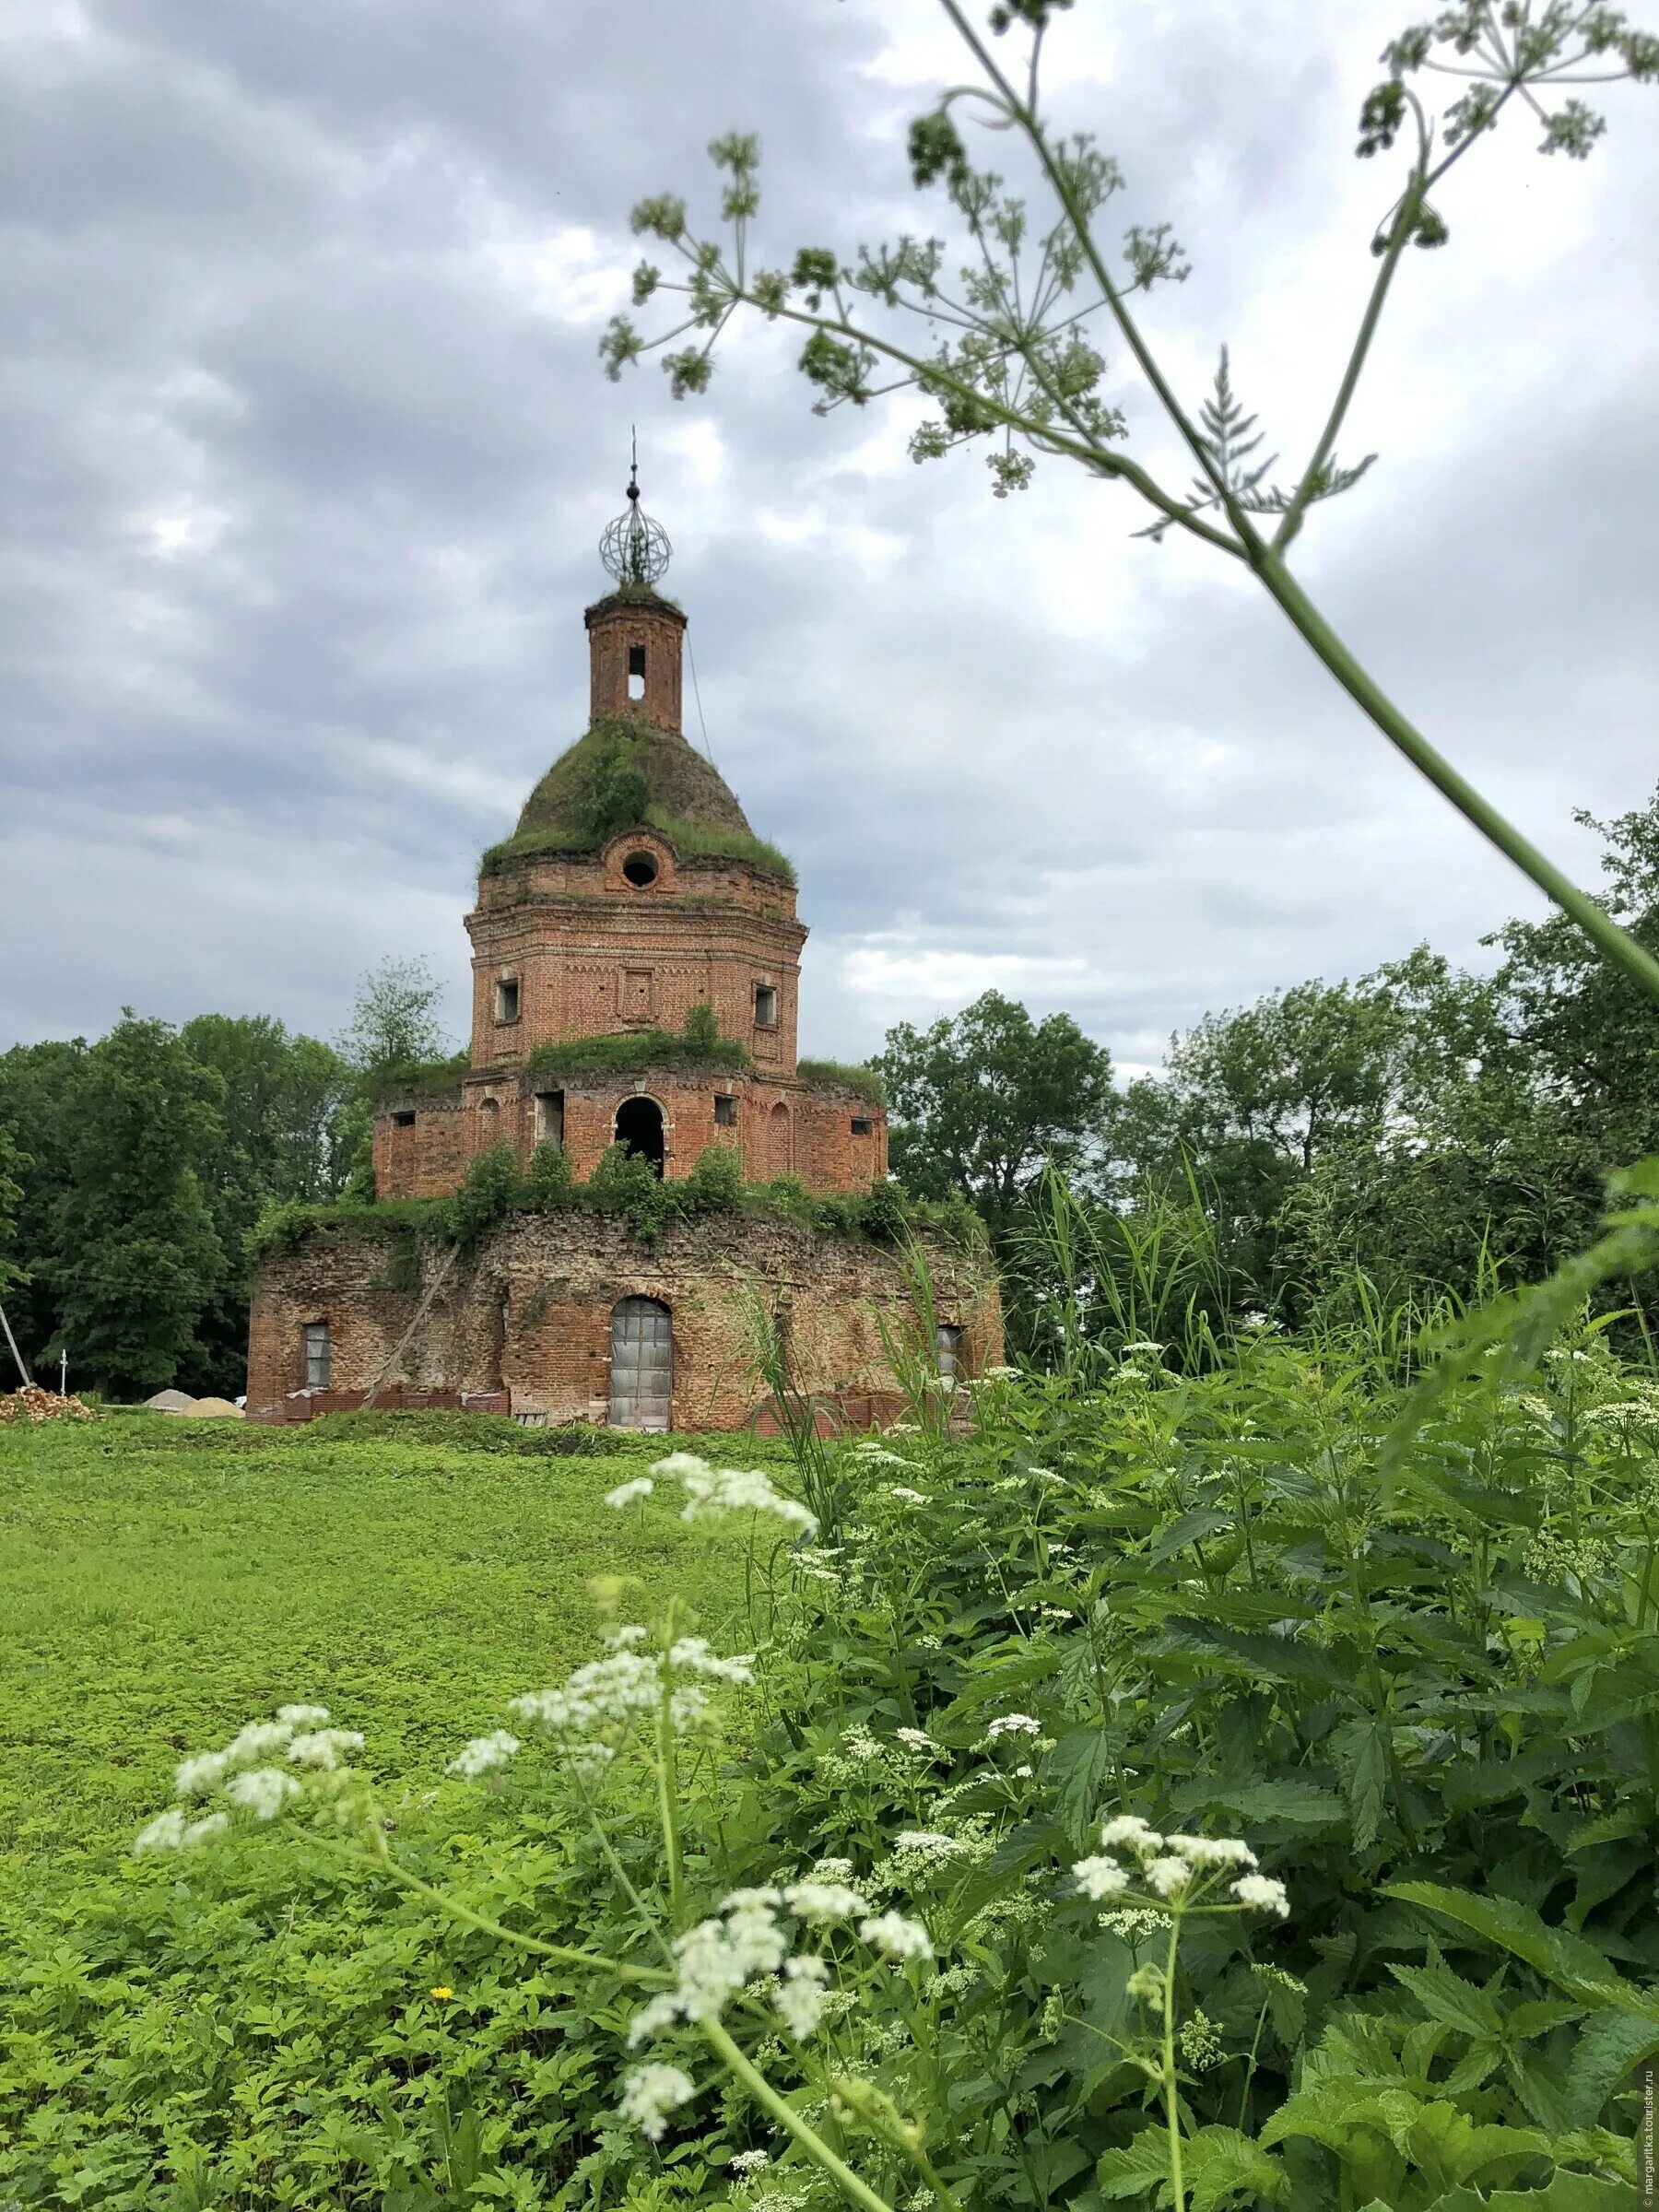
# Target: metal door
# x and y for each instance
(641, 1373)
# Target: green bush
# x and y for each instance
(492, 1189)
(550, 1182)
(715, 1183)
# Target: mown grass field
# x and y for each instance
(162, 1581)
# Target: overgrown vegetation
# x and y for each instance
(628, 772)
(622, 1183)
(699, 1045)
(1218, 1791)
(860, 1077)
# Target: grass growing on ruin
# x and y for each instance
(163, 1577)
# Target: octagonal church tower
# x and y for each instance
(636, 952)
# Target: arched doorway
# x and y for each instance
(642, 1365)
(639, 1128)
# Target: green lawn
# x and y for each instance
(162, 1581)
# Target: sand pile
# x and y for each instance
(213, 1410)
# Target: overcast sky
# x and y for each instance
(307, 450)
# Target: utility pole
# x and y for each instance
(63, 1374)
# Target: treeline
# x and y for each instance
(133, 1170)
(1421, 1130)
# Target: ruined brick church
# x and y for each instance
(636, 963)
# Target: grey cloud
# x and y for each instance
(274, 281)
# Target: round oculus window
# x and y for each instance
(640, 868)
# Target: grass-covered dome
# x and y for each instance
(627, 773)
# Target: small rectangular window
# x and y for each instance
(549, 1117)
(507, 999)
(403, 1121)
(636, 660)
(861, 1124)
(726, 1111)
(765, 1007)
(316, 1355)
(949, 1346)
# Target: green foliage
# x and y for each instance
(624, 1181)
(715, 1183)
(863, 1080)
(419, 1079)
(288, 1131)
(981, 1101)
(134, 1255)
(492, 1189)
(1429, 1707)
(395, 1022)
(618, 793)
(631, 1051)
(627, 771)
(550, 1181)
(701, 1030)
(12, 1164)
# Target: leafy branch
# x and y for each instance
(1010, 347)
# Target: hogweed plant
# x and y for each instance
(1009, 347)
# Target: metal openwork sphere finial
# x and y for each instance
(634, 548)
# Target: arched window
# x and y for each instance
(642, 1364)
(639, 1128)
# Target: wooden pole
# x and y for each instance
(420, 1313)
(15, 1354)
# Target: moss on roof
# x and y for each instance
(684, 797)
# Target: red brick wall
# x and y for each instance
(613, 626)
(812, 1137)
(596, 955)
(530, 1312)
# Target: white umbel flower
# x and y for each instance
(304, 1716)
(802, 1995)
(484, 1755)
(651, 2093)
(263, 1791)
(821, 1903)
(1264, 1893)
(1013, 1723)
(165, 1832)
(322, 1746)
(258, 1740)
(626, 1493)
(1169, 1876)
(896, 1938)
(1129, 1829)
(193, 1777)
(1212, 1851)
(1099, 1878)
(749, 2162)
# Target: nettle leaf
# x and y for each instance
(1361, 1752)
(1561, 1958)
(1447, 1998)
(1608, 2048)
(1302, 1804)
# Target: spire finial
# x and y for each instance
(634, 549)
